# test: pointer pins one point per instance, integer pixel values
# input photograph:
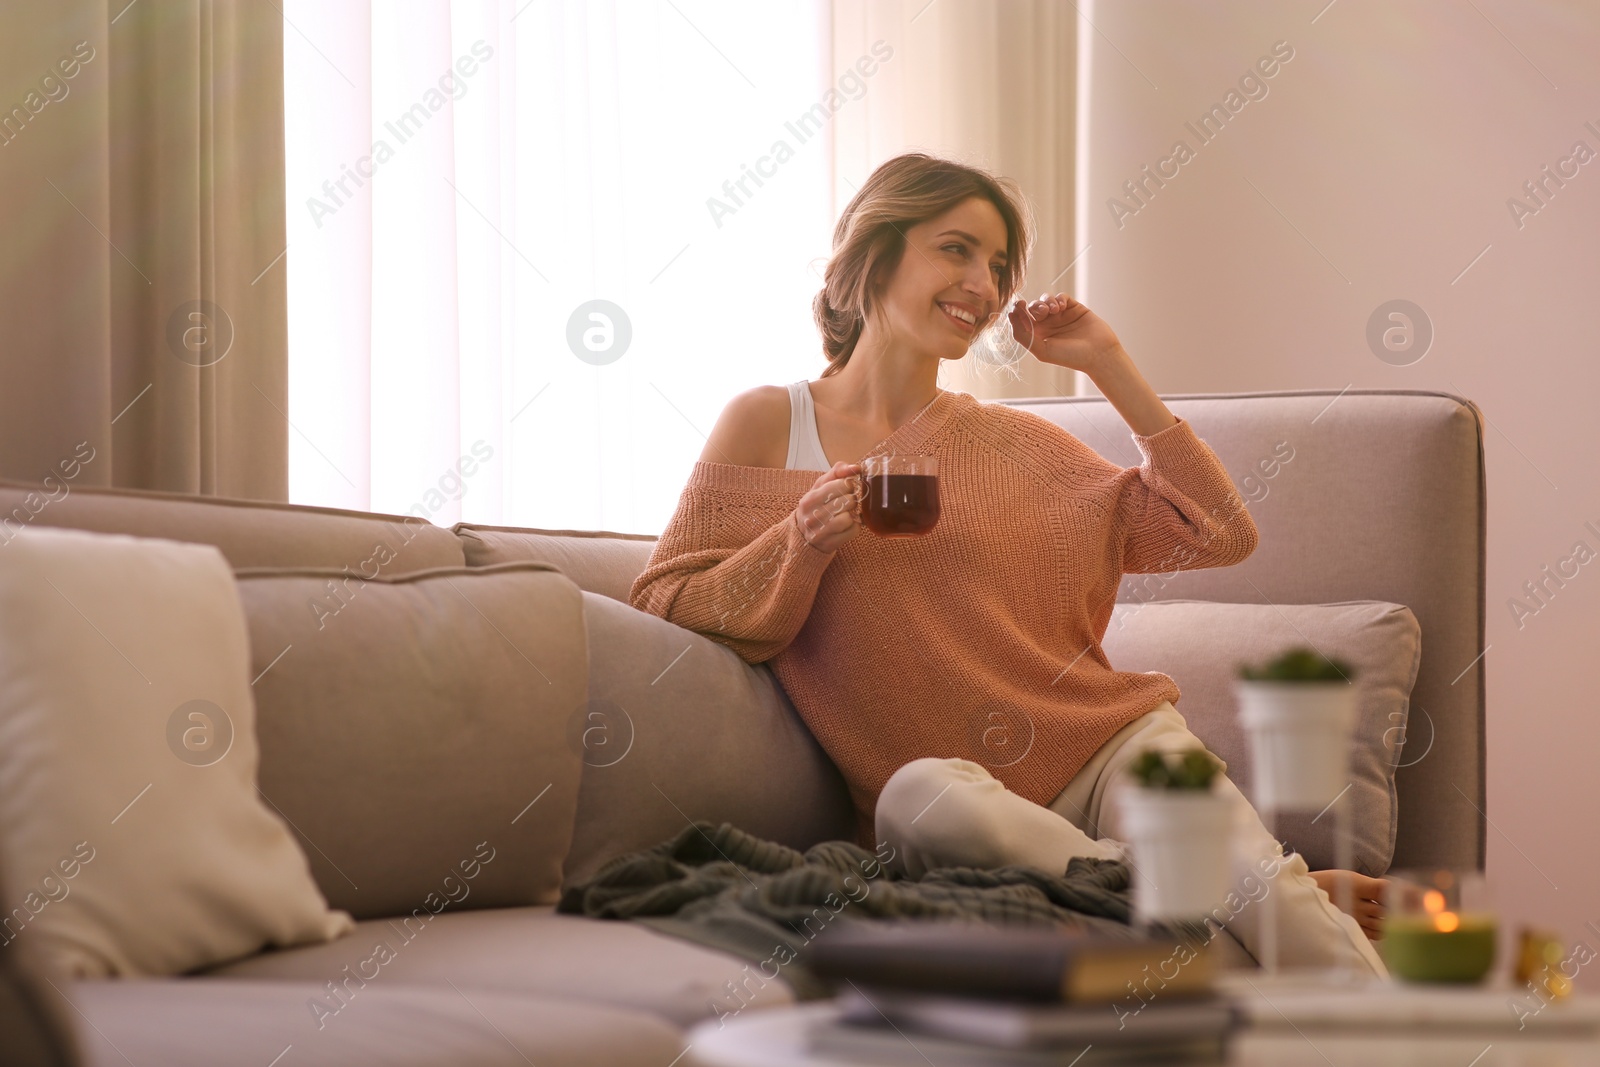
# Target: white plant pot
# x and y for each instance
(1181, 850)
(1299, 741)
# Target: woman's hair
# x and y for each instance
(869, 239)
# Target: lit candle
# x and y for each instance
(1438, 945)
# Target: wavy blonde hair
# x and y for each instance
(869, 239)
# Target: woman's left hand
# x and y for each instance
(1059, 330)
(1366, 896)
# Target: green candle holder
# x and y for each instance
(1437, 926)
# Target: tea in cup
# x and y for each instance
(899, 495)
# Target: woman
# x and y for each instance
(957, 679)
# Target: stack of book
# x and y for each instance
(967, 994)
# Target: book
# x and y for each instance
(1026, 1025)
(978, 960)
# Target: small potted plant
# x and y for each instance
(1178, 827)
(1299, 711)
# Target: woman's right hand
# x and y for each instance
(828, 514)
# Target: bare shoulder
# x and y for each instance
(753, 429)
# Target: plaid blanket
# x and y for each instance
(764, 902)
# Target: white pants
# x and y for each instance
(954, 813)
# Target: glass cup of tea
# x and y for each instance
(899, 495)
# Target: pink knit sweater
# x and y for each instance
(979, 640)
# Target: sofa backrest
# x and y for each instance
(408, 724)
(250, 533)
(1384, 499)
(598, 560)
(703, 728)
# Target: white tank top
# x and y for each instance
(805, 447)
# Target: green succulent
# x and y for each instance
(1190, 769)
(1299, 665)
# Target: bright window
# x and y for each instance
(463, 178)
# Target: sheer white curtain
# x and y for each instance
(462, 178)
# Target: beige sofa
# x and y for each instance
(1383, 502)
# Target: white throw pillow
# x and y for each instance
(132, 838)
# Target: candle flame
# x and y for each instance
(1433, 900)
(1446, 921)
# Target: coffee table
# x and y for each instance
(777, 1037)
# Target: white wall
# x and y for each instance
(1378, 166)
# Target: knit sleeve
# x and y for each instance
(742, 576)
(1179, 510)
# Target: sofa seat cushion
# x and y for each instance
(199, 1022)
(536, 952)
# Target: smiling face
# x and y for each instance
(946, 286)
